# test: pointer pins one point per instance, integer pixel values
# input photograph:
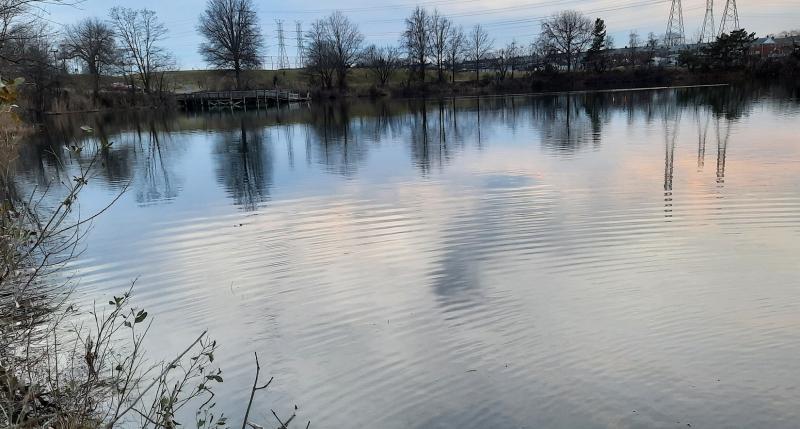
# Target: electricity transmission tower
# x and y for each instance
(730, 18)
(283, 59)
(675, 36)
(301, 60)
(708, 33)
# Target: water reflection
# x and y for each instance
(703, 122)
(244, 164)
(722, 149)
(159, 182)
(341, 135)
(465, 261)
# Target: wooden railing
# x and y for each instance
(262, 94)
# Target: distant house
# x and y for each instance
(771, 47)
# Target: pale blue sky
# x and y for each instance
(381, 21)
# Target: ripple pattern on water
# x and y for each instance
(626, 259)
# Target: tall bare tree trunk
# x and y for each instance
(237, 70)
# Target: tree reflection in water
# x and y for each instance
(340, 135)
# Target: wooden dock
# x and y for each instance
(219, 100)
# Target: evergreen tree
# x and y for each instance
(594, 56)
(731, 50)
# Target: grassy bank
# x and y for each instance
(75, 93)
(360, 83)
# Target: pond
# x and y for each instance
(617, 259)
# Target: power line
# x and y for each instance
(614, 5)
(507, 25)
(374, 8)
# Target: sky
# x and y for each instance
(381, 21)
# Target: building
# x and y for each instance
(771, 47)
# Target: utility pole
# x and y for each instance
(730, 18)
(301, 50)
(708, 34)
(675, 36)
(283, 59)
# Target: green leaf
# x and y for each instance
(140, 316)
(215, 378)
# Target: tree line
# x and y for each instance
(127, 43)
(568, 41)
(432, 48)
(430, 40)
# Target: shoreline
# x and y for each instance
(423, 96)
(576, 92)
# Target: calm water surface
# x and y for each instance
(627, 259)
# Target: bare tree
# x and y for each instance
(652, 47)
(320, 55)
(334, 46)
(633, 45)
(542, 49)
(383, 63)
(501, 63)
(634, 40)
(512, 52)
(18, 15)
(139, 33)
(479, 46)
(92, 42)
(610, 42)
(456, 43)
(568, 32)
(10, 25)
(610, 56)
(31, 56)
(345, 40)
(417, 39)
(29, 50)
(440, 34)
(233, 39)
(505, 60)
